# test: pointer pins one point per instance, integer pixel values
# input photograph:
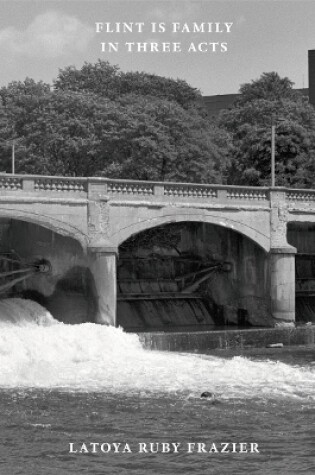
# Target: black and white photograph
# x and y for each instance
(157, 237)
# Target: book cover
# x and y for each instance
(156, 244)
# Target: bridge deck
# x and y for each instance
(81, 187)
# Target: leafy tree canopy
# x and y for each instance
(109, 81)
(270, 86)
(76, 131)
(269, 101)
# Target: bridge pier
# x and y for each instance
(282, 283)
(282, 259)
(102, 263)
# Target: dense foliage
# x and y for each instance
(99, 121)
(266, 101)
(107, 80)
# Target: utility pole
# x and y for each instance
(13, 158)
(273, 154)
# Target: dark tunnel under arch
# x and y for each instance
(152, 262)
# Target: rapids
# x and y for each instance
(36, 351)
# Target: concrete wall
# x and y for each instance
(247, 285)
(127, 220)
(63, 216)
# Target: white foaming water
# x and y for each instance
(37, 351)
(23, 312)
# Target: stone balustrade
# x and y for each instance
(189, 190)
(10, 183)
(165, 191)
(300, 196)
(126, 187)
(59, 184)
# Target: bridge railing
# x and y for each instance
(300, 196)
(37, 183)
(119, 189)
(167, 191)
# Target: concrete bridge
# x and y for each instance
(102, 213)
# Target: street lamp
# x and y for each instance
(13, 158)
(10, 144)
(273, 151)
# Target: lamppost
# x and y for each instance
(13, 158)
(273, 154)
(14, 145)
(10, 144)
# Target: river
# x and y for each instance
(89, 399)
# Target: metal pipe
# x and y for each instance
(18, 271)
(10, 284)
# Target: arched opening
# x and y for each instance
(191, 276)
(301, 235)
(51, 269)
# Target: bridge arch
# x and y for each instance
(66, 286)
(49, 222)
(166, 274)
(254, 233)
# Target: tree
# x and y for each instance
(52, 132)
(74, 131)
(14, 103)
(108, 81)
(261, 104)
(270, 86)
(154, 139)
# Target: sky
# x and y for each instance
(38, 38)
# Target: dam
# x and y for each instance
(151, 256)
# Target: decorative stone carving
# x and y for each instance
(278, 220)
